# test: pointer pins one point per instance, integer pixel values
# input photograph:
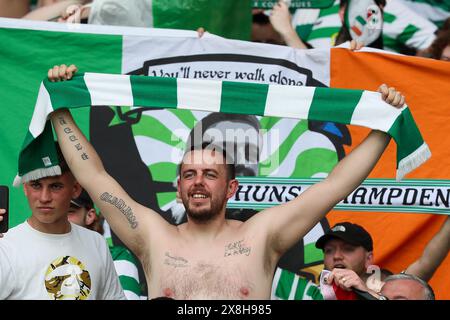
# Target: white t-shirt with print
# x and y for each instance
(42, 266)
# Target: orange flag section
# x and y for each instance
(400, 238)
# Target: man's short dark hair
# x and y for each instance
(228, 161)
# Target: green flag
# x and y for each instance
(226, 18)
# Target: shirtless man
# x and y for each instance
(210, 257)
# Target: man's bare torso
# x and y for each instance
(233, 266)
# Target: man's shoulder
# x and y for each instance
(16, 232)
(15, 241)
(88, 235)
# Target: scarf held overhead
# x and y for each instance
(38, 157)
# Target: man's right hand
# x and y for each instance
(61, 73)
(346, 279)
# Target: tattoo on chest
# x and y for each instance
(177, 262)
(122, 206)
(237, 248)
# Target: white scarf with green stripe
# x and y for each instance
(38, 157)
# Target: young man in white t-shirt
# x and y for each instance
(47, 257)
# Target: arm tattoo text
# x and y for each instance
(72, 137)
(122, 206)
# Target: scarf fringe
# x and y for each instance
(413, 161)
(37, 174)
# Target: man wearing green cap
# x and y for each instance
(49, 258)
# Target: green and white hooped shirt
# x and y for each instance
(402, 27)
(290, 286)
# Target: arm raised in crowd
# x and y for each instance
(433, 255)
(280, 19)
(129, 220)
(52, 12)
(291, 221)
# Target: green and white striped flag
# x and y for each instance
(38, 158)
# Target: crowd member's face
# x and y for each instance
(446, 53)
(403, 289)
(203, 185)
(340, 254)
(77, 215)
(49, 198)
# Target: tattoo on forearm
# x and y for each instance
(237, 248)
(122, 206)
(72, 137)
(177, 262)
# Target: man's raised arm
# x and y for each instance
(433, 254)
(129, 220)
(288, 223)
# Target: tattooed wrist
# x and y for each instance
(122, 206)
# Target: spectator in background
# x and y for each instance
(403, 29)
(406, 287)
(369, 29)
(82, 212)
(75, 11)
(280, 20)
(369, 32)
(136, 13)
(14, 8)
(348, 253)
(49, 258)
(348, 263)
(262, 29)
(440, 48)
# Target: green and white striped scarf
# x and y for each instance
(38, 156)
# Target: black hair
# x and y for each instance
(260, 18)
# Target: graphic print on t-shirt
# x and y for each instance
(67, 279)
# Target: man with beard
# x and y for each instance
(348, 255)
(210, 257)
